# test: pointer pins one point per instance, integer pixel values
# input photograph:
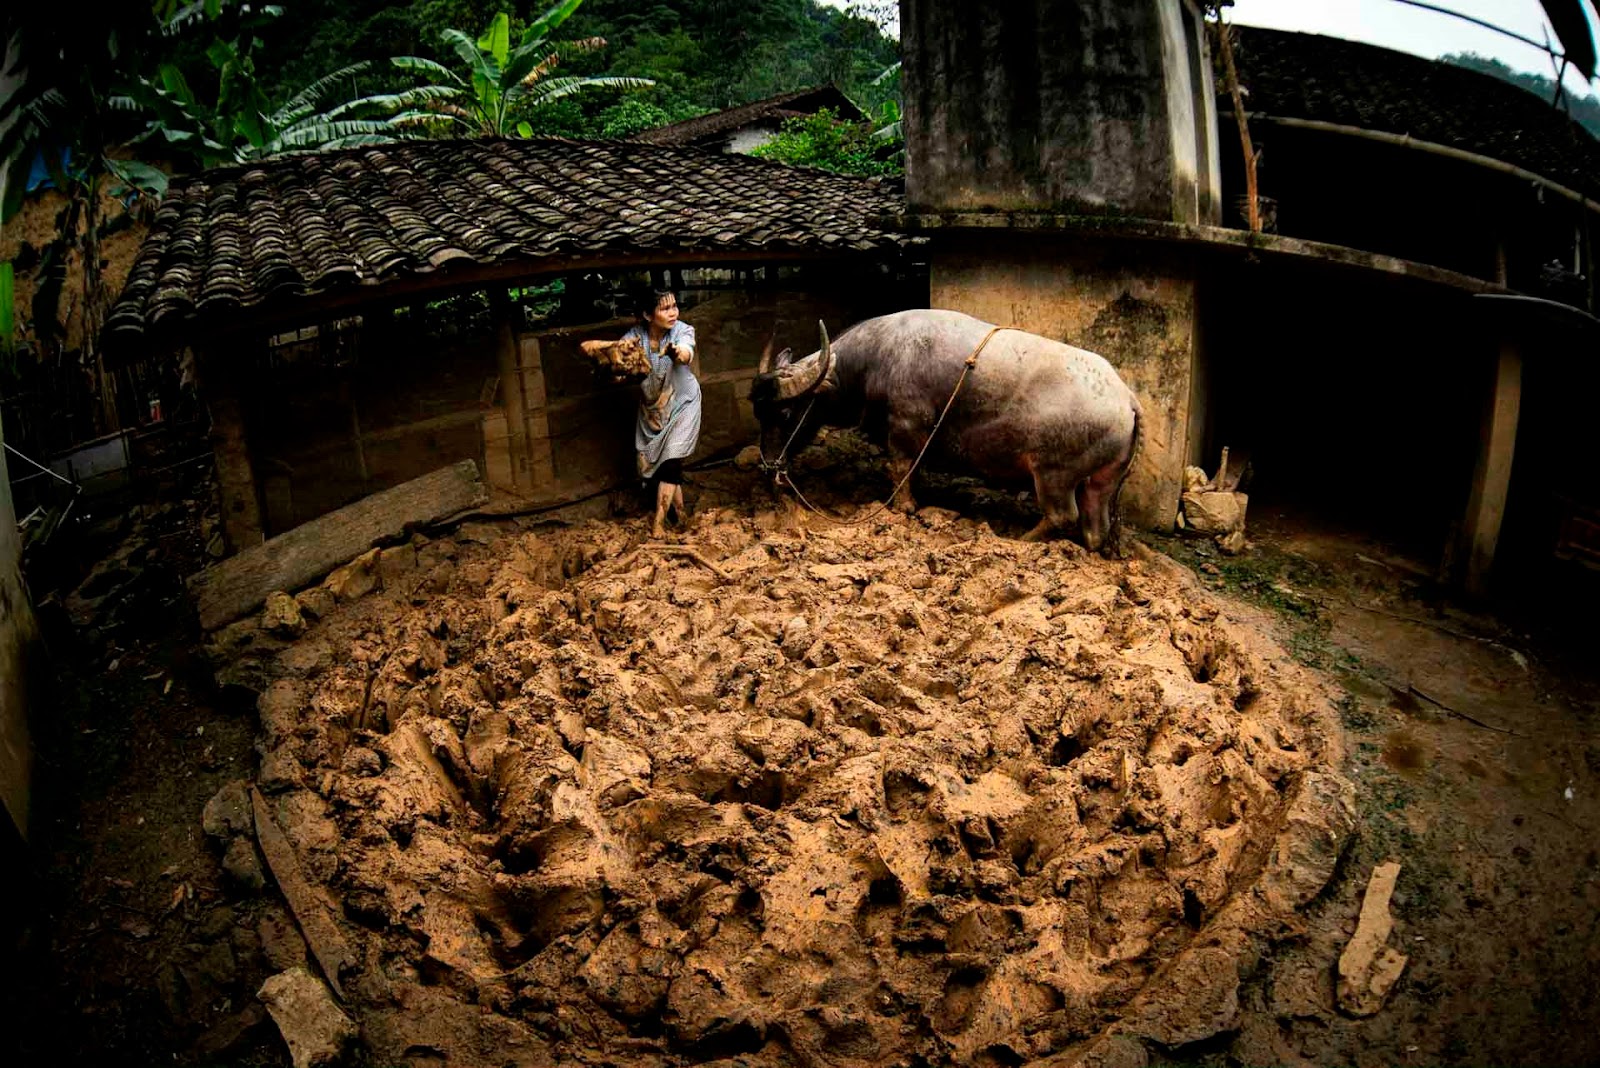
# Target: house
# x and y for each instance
(1400, 349)
(752, 125)
(1373, 352)
(309, 290)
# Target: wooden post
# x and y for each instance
(505, 344)
(236, 477)
(1486, 505)
(541, 454)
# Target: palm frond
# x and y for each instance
(542, 26)
(391, 102)
(481, 65)
(496, 39)
(545, 92)
(315, 136)
(582, 44)
(524, 64)
(418, 65)
(312, 95)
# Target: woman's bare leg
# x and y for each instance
(680, 510)
(663, 499)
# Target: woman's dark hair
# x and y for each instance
(647, 299)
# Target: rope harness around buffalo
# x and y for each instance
(779, 468)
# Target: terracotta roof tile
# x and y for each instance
(772, 109)
(271, 236)
(1308, 76)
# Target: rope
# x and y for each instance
(781, 474)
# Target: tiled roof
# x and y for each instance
(1307, 76)
(277, 236)
(772, 109)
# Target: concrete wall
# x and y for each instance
(750, 138)
(1131, 304)
(19, 653)
(1091, 105)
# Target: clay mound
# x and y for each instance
(876, 795)
(625, 357)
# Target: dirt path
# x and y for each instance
(1474, 751)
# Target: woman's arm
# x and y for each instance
(681, 345)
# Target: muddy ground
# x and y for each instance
(910, 792)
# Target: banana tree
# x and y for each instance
(241, 124)
(239, 127)
(503, 84)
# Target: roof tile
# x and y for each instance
(268, 236)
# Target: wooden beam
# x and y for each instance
(243, 323)
(311, 907)
(1491, 479)
(240, 584)
(541, 452)
(516, 407)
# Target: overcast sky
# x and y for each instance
(1408, 29)
(1411, 29)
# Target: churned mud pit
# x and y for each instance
(900, 793)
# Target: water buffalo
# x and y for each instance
(1030, 408)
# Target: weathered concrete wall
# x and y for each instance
(19, 659)
(1130, 304)
(1089, 105)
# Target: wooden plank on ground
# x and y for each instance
(241, 583)
(312, 909)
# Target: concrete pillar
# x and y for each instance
(1089, 106)
(1491, 478)
(219, 380)
(1130, 304)
(1042, 108)
(21, 667)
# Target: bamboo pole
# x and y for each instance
(1225, 40)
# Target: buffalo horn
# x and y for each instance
(801, 383)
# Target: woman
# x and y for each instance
(668, 427)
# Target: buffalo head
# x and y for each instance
(782, 394)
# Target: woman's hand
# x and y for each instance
(679, 354)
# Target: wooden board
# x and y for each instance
(311, 907)
(240, 584)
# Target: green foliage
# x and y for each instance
(58, 87)
(702, 55)
(631, 116)
(825, 142)
(234, 120)
(7, 296)
(505, 88)
(1585, 110)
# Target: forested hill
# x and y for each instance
(703, 54)
(1585, 109)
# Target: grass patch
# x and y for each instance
(1273, 579)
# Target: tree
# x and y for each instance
(1584, 109)
(505, 85)
(58, 106)
(827, 143)
(237, 121)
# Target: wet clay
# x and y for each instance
(905, 792)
